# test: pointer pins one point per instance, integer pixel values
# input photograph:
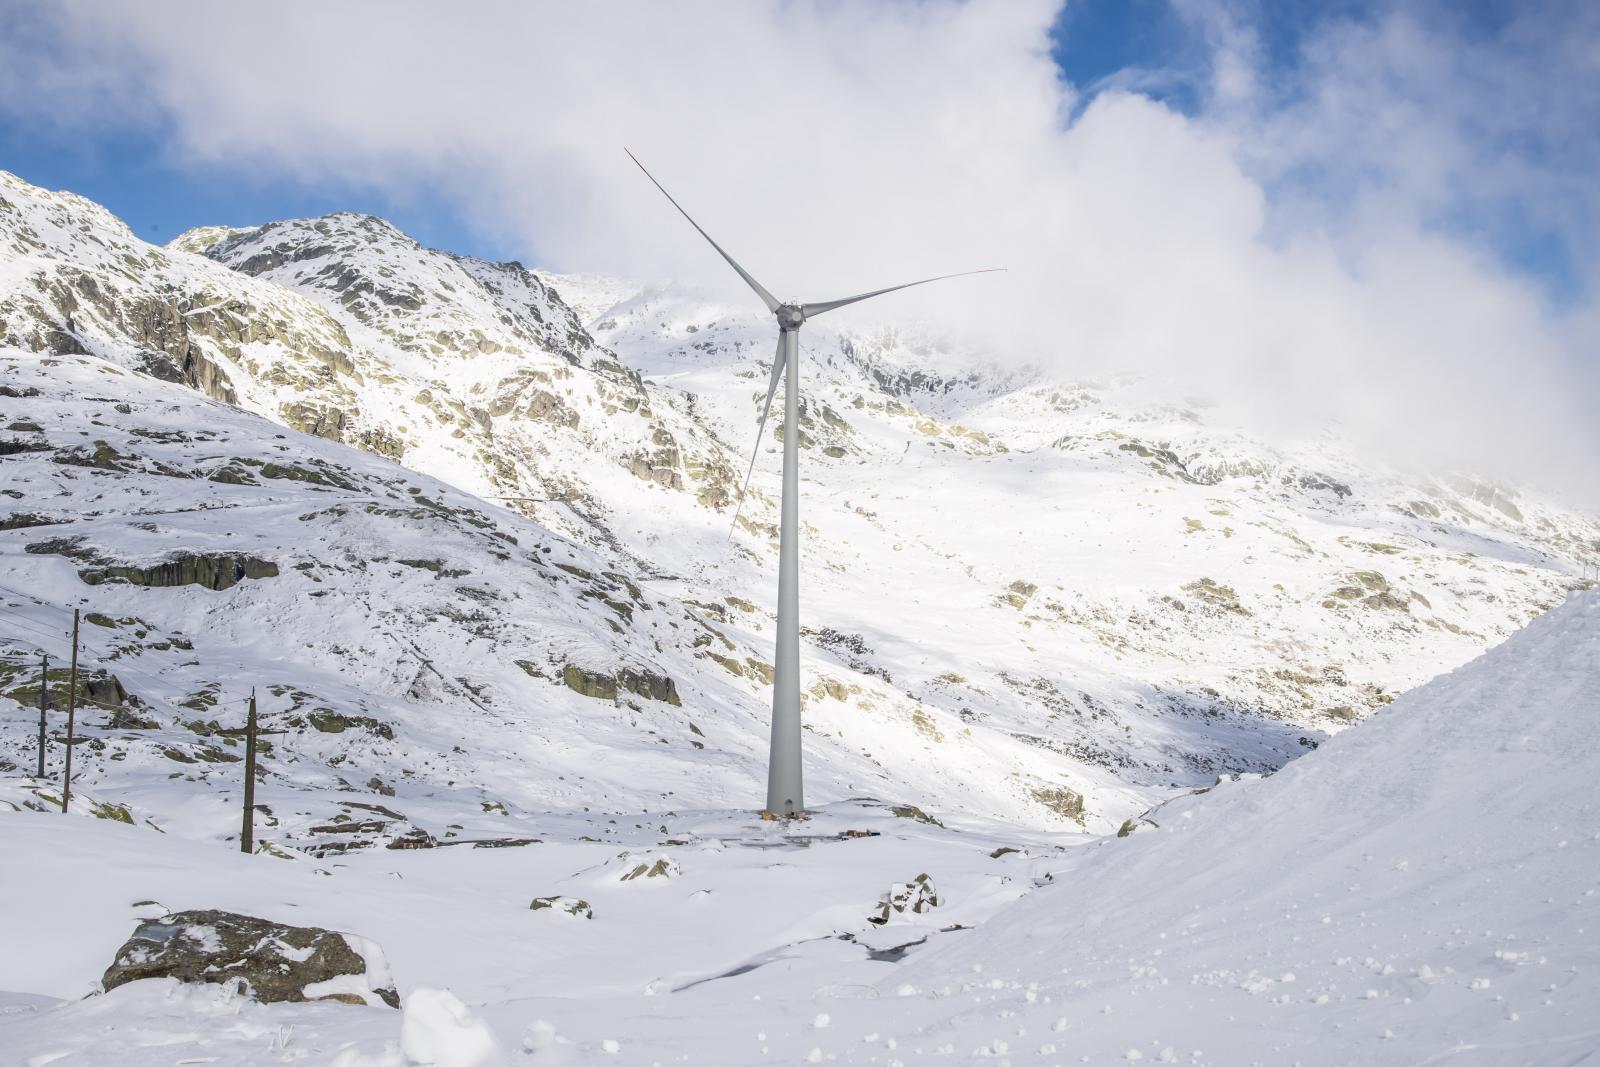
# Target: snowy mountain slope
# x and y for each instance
(1424, 886)
(1419, 890)
(870, 414)
(1231, 579)
(440, 666)
(1164, 601)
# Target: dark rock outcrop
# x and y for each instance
(216, 571)
(638, 680)
(159, 325)
(274, 961)
(649, 684)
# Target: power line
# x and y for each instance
(111, 664)
(29, 624)
(114, 664)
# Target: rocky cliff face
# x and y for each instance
(1023, 596)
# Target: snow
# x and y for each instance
(440, 1031)
(1018, 590)
(1421, 886)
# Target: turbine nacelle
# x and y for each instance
(790, 316)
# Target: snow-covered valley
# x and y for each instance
(463, 528)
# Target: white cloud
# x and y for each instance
(1307, 241)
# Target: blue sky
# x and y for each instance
(141, 169)
(1145, 45)
(136, 174)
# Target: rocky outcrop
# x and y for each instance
(916, 896)
(160, 326)
(1369, 589)
(315, 419)
(589, 683)
(272, 961)
(637, 680)
(547, 407)
(649, 685)
(662, 464)
(577, 907)
(1061, 800)
(215, 571)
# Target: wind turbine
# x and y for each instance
(785, 789)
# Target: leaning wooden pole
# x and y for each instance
(247, 834)
(44, 702)
(72, 708)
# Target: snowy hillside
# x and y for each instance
(1420, 889)
(1424, 885)
(459, 665)
(1046, 602)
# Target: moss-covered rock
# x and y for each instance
(24, 519)
(100, 457)
(589, 683)
(329, 721)
(1214, 594)
(101, 809)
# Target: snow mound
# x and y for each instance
(1423, 884)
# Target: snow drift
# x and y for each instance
(1424, 886)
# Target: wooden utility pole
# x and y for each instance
(72, 707)
(247, 835)
(44, 702)
(252, 742)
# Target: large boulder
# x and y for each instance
(274, 961)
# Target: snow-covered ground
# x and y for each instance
(1421, 889)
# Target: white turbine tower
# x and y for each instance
(785, 793)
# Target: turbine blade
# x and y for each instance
(761, 432)
(828, 305)
(766, 297)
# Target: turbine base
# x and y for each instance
(767, 816)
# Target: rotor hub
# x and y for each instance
(790, 316)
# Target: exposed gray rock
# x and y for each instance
(1061, 800)
(274, 961)
(216, 571)
(649, 684)
(160, 326)
(574, 906)
(317, 420)
(916, 896)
